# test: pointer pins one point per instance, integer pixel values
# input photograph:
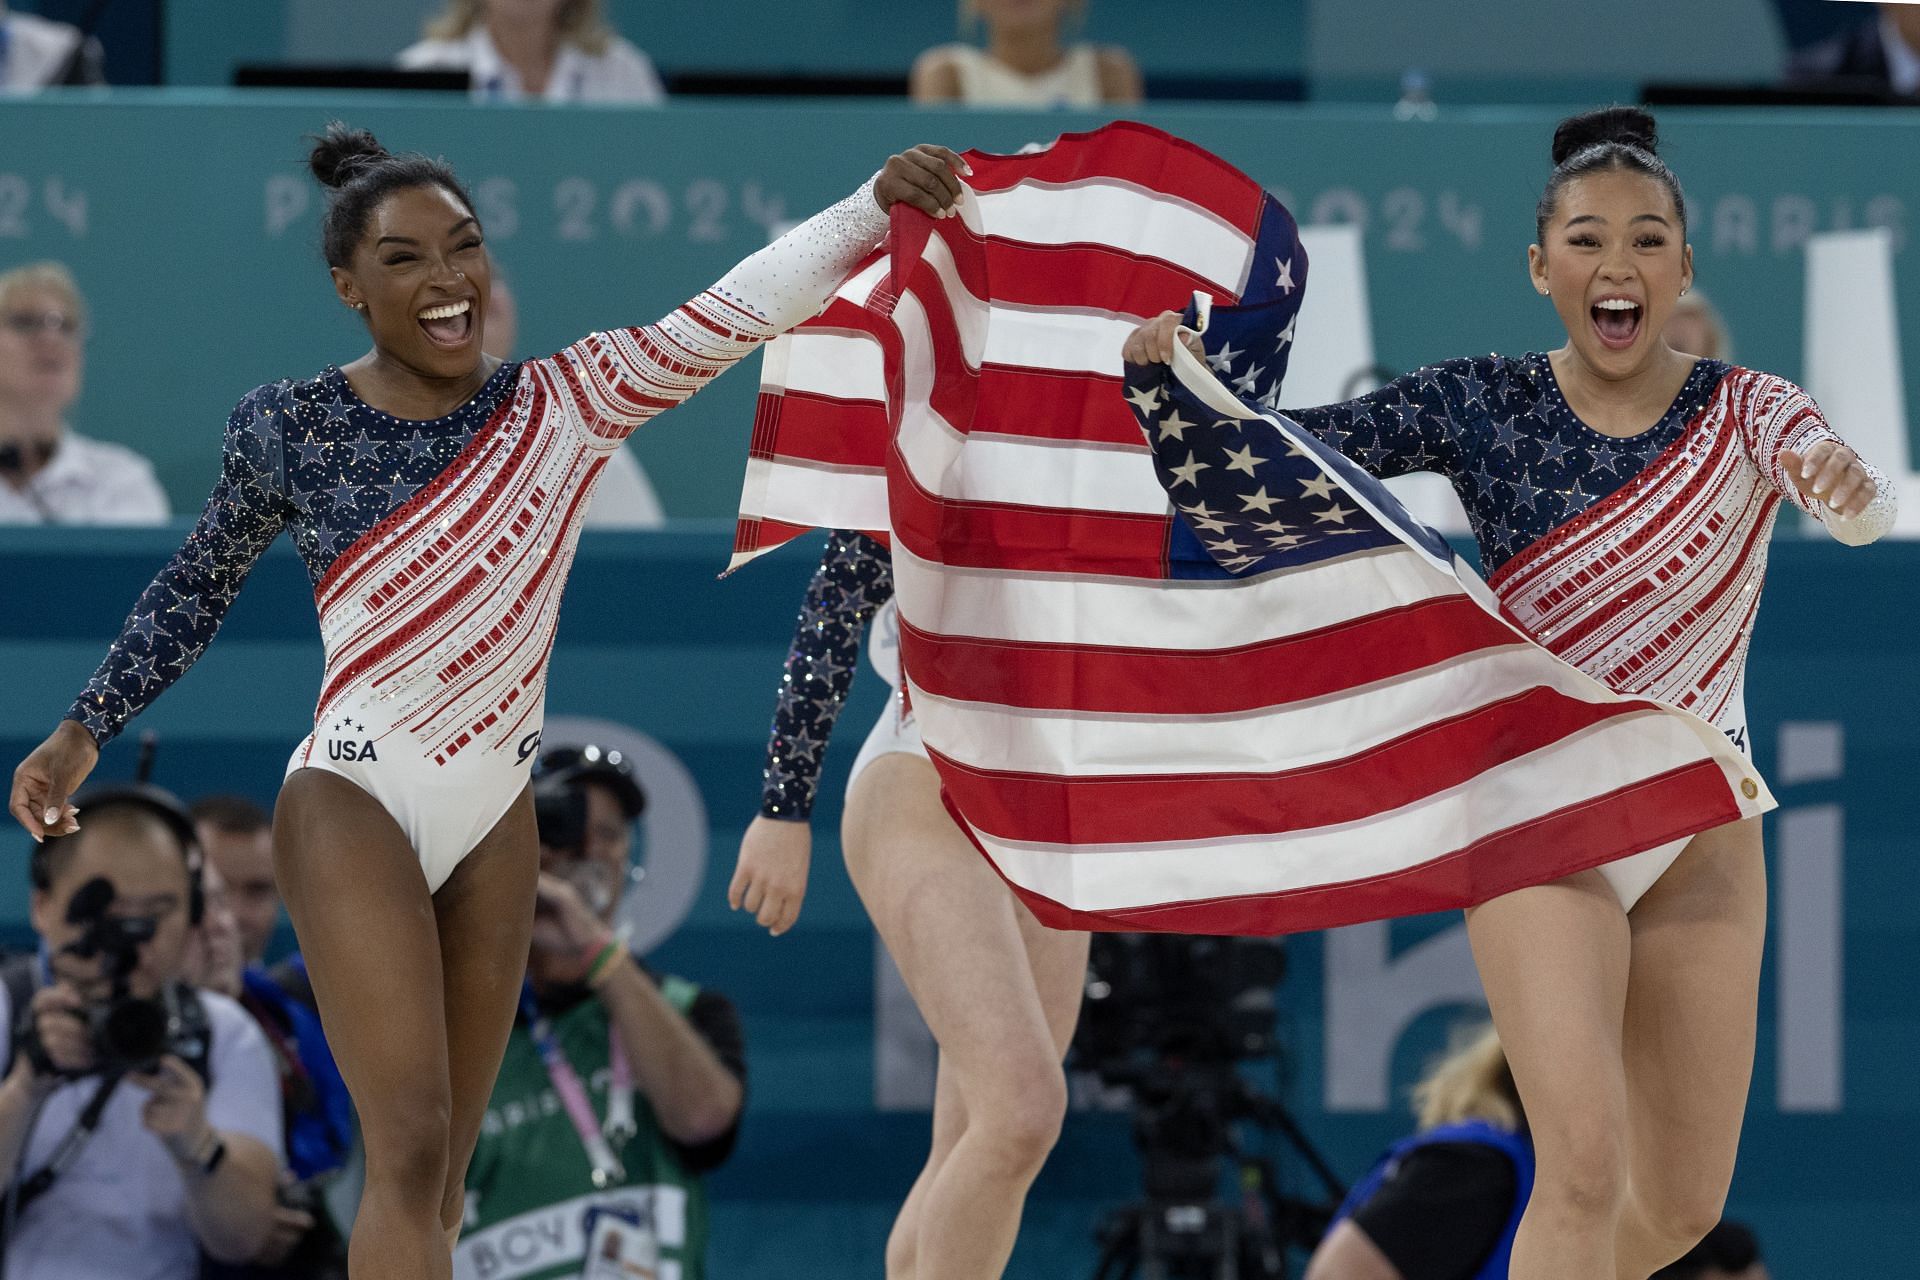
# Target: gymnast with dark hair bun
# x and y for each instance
(1622, 494)
(436, 495)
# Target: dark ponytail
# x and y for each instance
(1598, 141)
(359, 173)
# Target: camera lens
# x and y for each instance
(131, 1032)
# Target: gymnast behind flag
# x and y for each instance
(1150, 719)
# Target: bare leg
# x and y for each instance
(1692, 998)
(1554, 961)
(366, 924)
(957, 935)
(949, 1122)
(485, 916)
(1058, 962)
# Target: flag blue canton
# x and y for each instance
(1259, 494)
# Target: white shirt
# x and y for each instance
(621, 74)
(35, 50)
(1903, 61)
(119, 1212)
(87, 482)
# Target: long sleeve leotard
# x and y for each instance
(1637, 559)
(437, 548)
(854, 579)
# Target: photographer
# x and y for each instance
(621, 1089)
(139, 1121)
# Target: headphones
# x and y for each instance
(149, 799)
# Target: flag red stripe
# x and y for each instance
(1136, 153)
(1142, 681)
(1162, 807)
(1051, 404)
(1098, 277)
(1637, 817)
(825, 429)
(1024, 539)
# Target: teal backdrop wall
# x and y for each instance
(192, 226)
(650, 640)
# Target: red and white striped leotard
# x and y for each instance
(1654, 589)
(438, 598)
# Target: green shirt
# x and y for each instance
(530, 1192)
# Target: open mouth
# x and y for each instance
(448, 326)
(1617, 321)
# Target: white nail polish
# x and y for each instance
(52, 816)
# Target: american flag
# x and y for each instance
(1144, 718)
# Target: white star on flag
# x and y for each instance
(1335, 514)
(1242, 459)
(1222, 360)
(1172, 425)
(1286, 334)
(1318, 487)
(1188, 474)
(1147, 398)
(1248, 381)
(1259, 501)
(1285, 282)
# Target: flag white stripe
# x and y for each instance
(1063, 475)
(1111, 212)
(1590, 765)
(839, 363)
(829, 497)
(1333, 727)
(1172, 615)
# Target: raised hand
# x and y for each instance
(924, 177)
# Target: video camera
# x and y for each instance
(128, 1033)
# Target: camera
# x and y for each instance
(560, 812)
(128, 1033)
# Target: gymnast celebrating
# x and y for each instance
(1000, 992)
(436, 496)
(1622, 494)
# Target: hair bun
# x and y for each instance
(1628, 126)
(341, 153)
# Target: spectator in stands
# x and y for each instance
(37, 54)
(1880, 54)
(1729, 1252)
(557, 50)
(621, 1089)
(1695, 327)
(132, 1167)
(1026, 62)
(316, 1115)
(625, 498)
(1447, 1201)
(50, 474)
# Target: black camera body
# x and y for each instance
(560, 813)
(128, 1033)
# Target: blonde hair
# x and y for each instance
(578, 22)
(970, 16)
(1473, 1082)
(1696, 304)
(43, 277)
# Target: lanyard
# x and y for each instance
(599, 1140)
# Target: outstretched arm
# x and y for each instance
(173, 621)
(623, 377)
(854, 579)
(1812, 467)
(1406, 426)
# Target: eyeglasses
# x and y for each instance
(29, 323)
